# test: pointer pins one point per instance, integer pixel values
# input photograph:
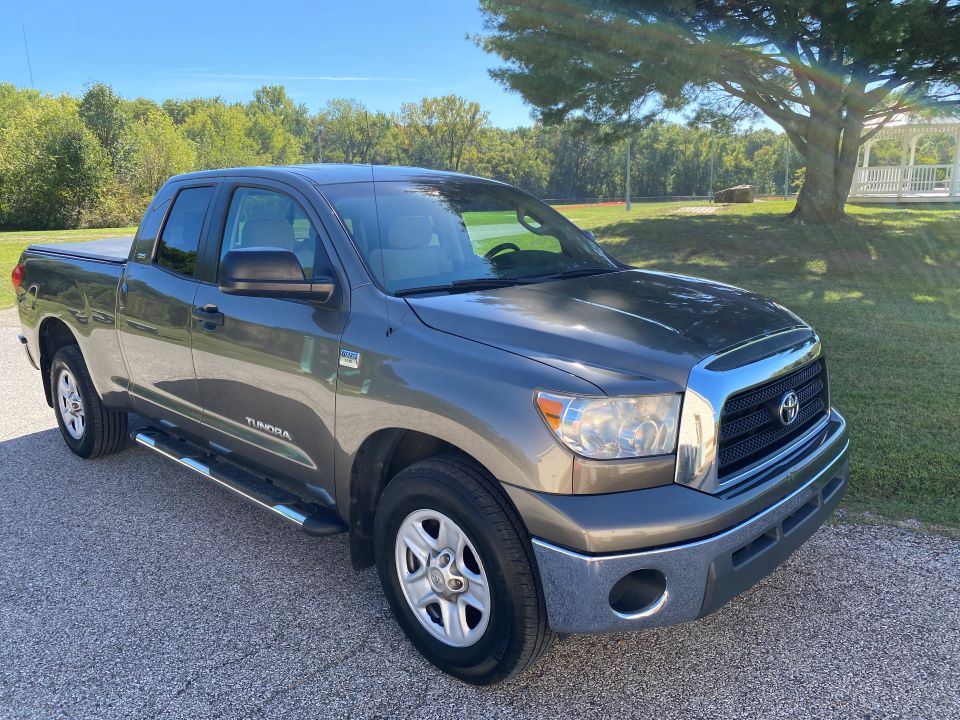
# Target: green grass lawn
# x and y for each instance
(883, 290)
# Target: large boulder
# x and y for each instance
(738, 194)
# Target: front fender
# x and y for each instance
(478, 398)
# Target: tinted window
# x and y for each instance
(180, 241)
(149, 227)
(263, 218)
(414, 235)
(152, 218)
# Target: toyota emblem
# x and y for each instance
(789, 408)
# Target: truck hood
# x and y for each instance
(632, 331)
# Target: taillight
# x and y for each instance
(16, 277)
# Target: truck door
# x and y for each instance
(267, 367)
(155, 302)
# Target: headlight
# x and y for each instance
(604, 428)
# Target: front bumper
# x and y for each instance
(682, 582)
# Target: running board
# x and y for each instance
(313, 519)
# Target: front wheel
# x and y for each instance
(89, 428)
(457, 569)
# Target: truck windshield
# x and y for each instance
(458, 235)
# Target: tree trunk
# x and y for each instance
(824, 192)
(821, 199)
(826, 186)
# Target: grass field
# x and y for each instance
(883, 290)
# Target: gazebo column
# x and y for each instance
(902, 177)
(913, 160)
(862, 173)
(955, 176)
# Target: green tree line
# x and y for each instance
(96, 160)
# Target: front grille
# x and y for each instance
(750, 425)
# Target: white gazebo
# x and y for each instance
(909, 182)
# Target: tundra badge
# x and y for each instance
(268, 428)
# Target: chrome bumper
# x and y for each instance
(697, 577)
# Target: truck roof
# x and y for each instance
(328, 173)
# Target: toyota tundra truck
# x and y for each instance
(526, 437)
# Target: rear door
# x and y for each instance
(156, 302)
(267, 370)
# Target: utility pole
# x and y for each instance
(320, 143)
(786, 171)
(26, 49)
(628, 176)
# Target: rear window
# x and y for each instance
(180, 241)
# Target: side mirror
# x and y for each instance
(271, 272)
(590, 235)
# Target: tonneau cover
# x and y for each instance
(113, 250)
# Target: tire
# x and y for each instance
(495, 562)
(89, 428)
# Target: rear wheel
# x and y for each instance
(88, 427)
(457, 568)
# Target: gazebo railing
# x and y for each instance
(903, 180)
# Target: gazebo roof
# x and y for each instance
(914, 124)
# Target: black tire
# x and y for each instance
(104, 431)
(517, 633)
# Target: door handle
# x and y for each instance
(209, 315)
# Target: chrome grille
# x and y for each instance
(750, 427)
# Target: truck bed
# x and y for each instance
(75, 284)
(112, 250)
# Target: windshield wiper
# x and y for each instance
(463, 285)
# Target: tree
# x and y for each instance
(160, 150)
(272, 101)
(182, 110)
(514, 156)
(52, 168)
(221, 135)
(350, 133)
(275, 145)
(108, 118)
(439, 130)
(830, 73)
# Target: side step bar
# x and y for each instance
(314, 519)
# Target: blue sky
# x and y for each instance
(382, 53)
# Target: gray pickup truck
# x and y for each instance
(525, 436)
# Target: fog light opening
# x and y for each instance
(639, 593)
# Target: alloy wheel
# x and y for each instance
(442, 578)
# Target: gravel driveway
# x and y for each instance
(131, 588)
